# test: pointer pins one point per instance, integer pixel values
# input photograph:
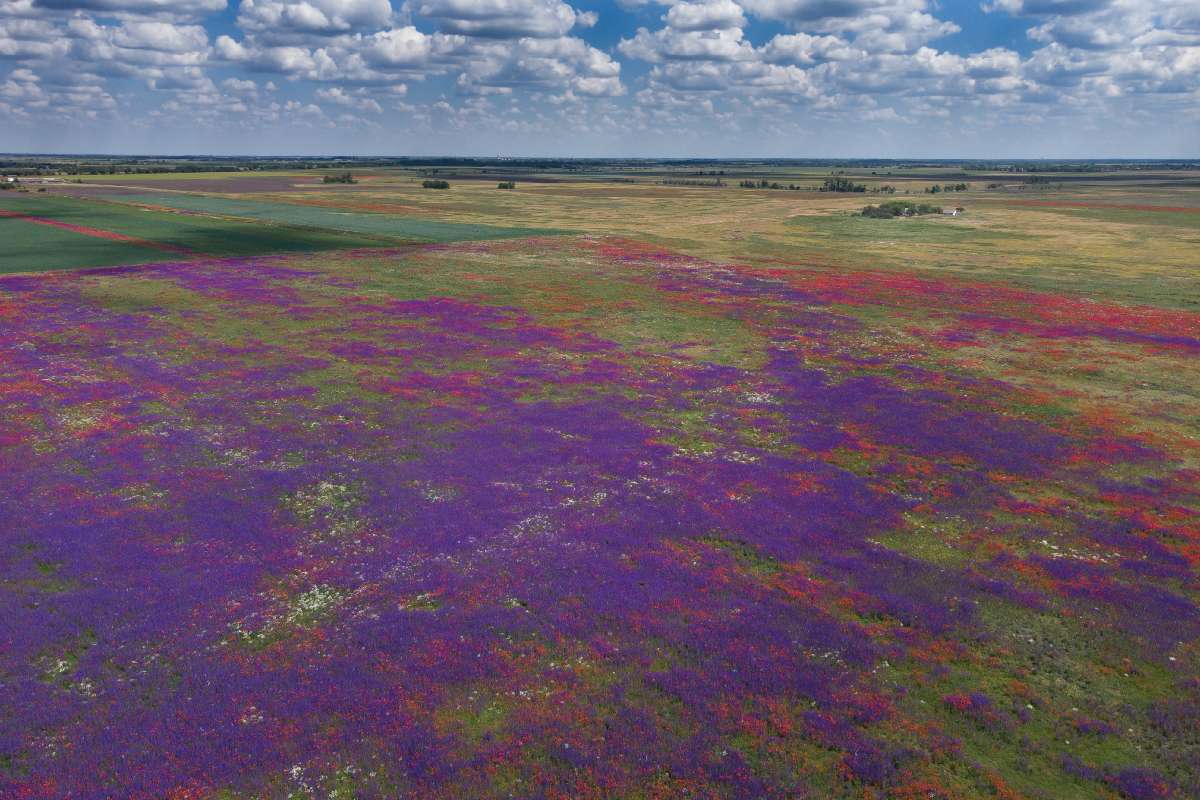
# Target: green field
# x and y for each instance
(35, 246)
(361, 222)
(212, 226)
(29, 247)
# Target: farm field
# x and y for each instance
(1123, 240)
(596, 489)
(48, 232)
(207, 226)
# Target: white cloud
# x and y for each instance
(239, 86)
(521, 64)
(706, 15)
(284, 59)
(23, 39)
(505, 19)
(1043, 7)
(552, 65)
(398, 47)
(359, 99)
(803, 48)
(282, 18)
(170, 8)
(891, 25)
(668, 44)
(161, 36)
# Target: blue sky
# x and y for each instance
(803, 78)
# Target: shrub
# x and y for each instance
(899, 208)
(876, 212)
(435, 185)
(506, 185)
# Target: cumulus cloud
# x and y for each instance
(23, 39)
(133, 45)
(286, 60)
(398, 47)
(1112, 46)
(175, 8)
(804, 48)
(161, 36)
(892, 25)
(1044, 7)
(877, 59)
(505, 19)
(280, 18)
(564, 63)
(704, 16)
(668, 44)
(359, 99)
(529, 63)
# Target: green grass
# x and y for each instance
(29, 247)
(45, 247)
(934, 229)
(374, 224)
(1043, 249)
(1188, 220)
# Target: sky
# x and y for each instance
(653, 78)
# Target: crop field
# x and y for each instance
(47, 232)
(197, 225)
(599, 490)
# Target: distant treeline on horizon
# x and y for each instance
(106, 164)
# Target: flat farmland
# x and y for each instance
(80, 223)
(355, 221)
(31, 245)
(1098, 239)
(589, 489)
(208, 226)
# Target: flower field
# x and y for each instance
(585, 518)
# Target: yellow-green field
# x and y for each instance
(1128, 238)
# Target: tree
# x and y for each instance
(842, 185)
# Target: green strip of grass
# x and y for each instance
(932, 229)
(34, 247)
(375, 224)
(29, 247)
(1189, 220)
